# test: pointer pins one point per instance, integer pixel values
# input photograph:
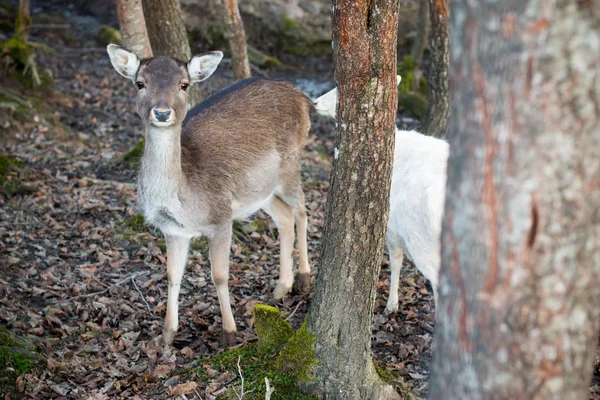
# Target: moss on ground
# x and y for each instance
(132, 157)
(256, 363)
(16, 358)
(11, 170)
(272, 330)
(18, 55)
(297, 357)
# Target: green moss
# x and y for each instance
(256, 363)
(296, 39)
(297, 357)
(135, 223)
(259, 58)
(271, 329)
(108, 34)
(132, 157)
(16, 358)
(415, 102)
(11, 169)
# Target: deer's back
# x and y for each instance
(239, 140)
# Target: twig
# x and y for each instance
(270, 389)
(197, 394)
(294, 312)
(241, 395)
(110, 287)
(140, 292)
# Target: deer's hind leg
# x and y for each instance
(283, 215)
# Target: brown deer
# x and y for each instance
(229, 156)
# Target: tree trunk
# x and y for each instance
(518, 313)
(364, 38)
(420, 42)
(168, 35)
(235, 34)
(23, 22)
(435, 120)
(133, 27)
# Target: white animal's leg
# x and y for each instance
(177, 254)
(283, 215)
(301, 224)
(396, 257)
(219, 246)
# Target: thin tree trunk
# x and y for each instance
(23, 22)
(519, 311)
(133, 27)
(168, 35)
(364, 38)
(435, 120)
(236, 35)
(420, 42)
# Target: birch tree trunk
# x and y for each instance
(168, 35)
(133, 27)
(236, 35)
(435, 120)
(340, 316)
(519, 311)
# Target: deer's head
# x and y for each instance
(162, 83)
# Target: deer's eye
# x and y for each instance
(140, 85)
(185, 86)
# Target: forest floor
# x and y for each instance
(85, 280)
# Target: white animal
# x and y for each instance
(416, 201)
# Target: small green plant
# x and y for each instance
(11, 170)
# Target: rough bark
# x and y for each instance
(420, 41)
(236, 36)
(518, 313)
(23, 22)
(168, 35)
(133, 27)
(435, 120)
(364, 39)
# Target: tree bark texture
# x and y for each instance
(435, 120)
(168, 35)
(519, 311)
(236, 35)
(133, 27)
(340, 316)
(23, 23)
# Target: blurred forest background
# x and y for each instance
(69, 227)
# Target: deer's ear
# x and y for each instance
(125, 62)
(201, 67)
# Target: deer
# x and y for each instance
(237, 152)
(417, 197)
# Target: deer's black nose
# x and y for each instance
(162, 116)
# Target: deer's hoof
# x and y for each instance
(168, 337)
(229, 339)
(391, 308)
(281, 291)
(304, 283)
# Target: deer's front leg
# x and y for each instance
(219, 246)
(177, 254)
